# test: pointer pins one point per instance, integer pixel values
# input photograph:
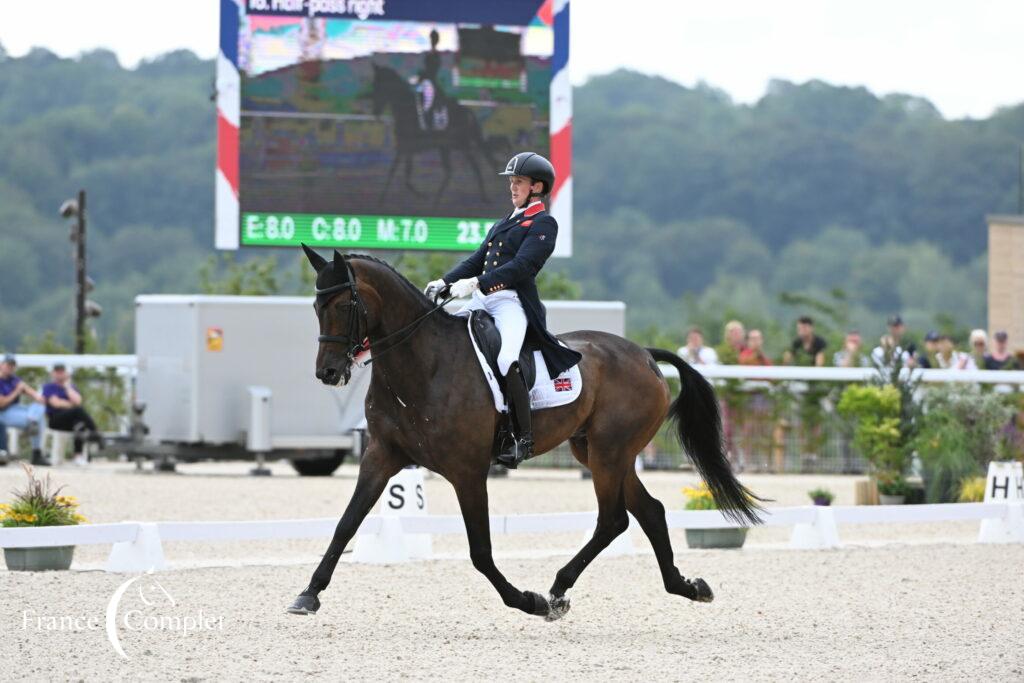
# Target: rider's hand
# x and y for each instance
(465, 287)
(434, 287)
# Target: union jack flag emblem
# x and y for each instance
(563, 384)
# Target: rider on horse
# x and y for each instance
(500, 276)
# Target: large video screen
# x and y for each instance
(382, 124)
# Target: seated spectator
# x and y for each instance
(695, 353)
(14, 414)
(1000, 357)
(64, 411)
(753, 353)
(732, 344)
(949, 358)
(979, 347)
(808, 348)
(852, 354)
(927, 359)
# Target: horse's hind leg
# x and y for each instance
(377, 467)
(472, 493)
(649, 511)
(611, 521)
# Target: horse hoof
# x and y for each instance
(559, 607)
(703, 591)
(538, 605)
(305, 604)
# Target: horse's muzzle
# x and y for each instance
(332, 376)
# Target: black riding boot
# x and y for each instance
(519, 407)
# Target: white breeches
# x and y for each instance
(510, 319)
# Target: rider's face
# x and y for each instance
(519, 186)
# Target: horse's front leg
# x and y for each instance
(472, 494)
(377, 467)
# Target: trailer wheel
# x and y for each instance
(319, 467)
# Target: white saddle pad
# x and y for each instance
(547, 392)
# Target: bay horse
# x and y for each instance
(429, 405)
(463, 132)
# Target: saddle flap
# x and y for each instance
(487, 337)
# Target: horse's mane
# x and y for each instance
(401, 278)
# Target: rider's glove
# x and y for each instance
(465, 287)
(434, 287)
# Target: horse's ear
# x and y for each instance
(340, 268)
(316, 260)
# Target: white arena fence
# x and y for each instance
(773, 430)
(137, 546)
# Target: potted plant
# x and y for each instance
(892, 489)
(821, 496)
(700, 498)
(39, 504)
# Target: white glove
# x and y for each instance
(433, 287)
(465, 287)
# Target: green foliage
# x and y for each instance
(223, 274)
(877, 432)
(821, 493)
(890, 484)
(959, 434)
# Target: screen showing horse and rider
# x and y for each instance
(385, 130)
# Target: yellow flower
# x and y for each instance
(78, 518)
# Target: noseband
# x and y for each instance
(355, 306)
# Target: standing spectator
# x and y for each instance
(753, 353)
(14, 414)
(931, 349)
(732, 343)
(949, 358)
(64, 411)
(808, 348)
(979, 347)
(695, 353)
(888, 353)
(906, 350)
(852, 354)
(1000, 357)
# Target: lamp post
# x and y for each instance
(83, 284)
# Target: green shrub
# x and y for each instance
(877, 434)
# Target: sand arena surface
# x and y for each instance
(900, 602)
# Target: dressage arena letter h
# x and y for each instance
(1005, 484)
(403, 497)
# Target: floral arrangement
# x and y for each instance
(972, 490)
(39, 504)
(699, 498)
(821, 496)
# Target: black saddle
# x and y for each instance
(489, 340)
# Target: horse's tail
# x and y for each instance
(699, 429)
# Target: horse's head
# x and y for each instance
(386, 84)
(343, 314)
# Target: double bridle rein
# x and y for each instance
(358, 316)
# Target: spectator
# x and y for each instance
(887, 352)
(64, 411)
(907, 350)
(695, 353)
(979, 347)
(1000, 357)
(808, 348)
(852, 354)
(731, 346)
(753, 353)
(949, 358)
(14, 414)
(931, 349)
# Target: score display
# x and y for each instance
(382, 124)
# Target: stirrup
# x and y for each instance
(520, 451)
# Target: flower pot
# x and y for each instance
(38, 559)
(822, 501)
(890, 500)
(715, 538)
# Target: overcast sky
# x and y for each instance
(967, 57)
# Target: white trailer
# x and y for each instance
(225, 377)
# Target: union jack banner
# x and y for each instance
(563, 384)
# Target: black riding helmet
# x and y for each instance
(533, 166)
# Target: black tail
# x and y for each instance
(699, 428)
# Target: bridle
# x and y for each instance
(358, 316)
